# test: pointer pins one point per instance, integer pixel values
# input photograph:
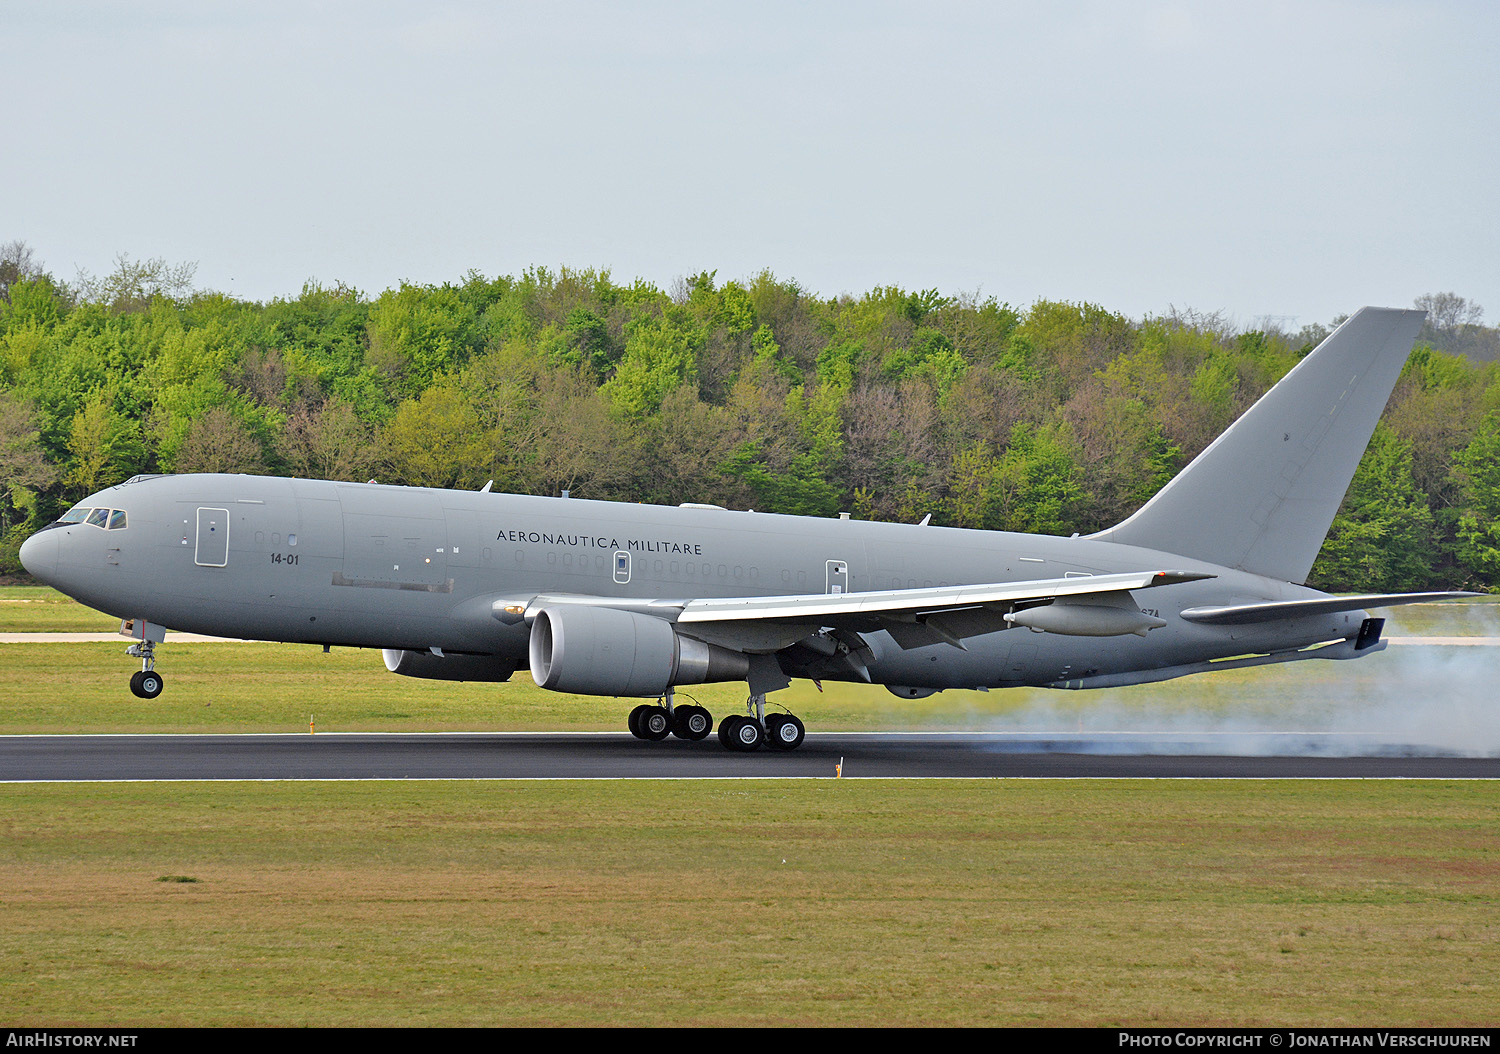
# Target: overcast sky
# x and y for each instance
(1293, 160)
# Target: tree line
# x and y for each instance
(1054, 418)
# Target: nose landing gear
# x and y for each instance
(145, 683)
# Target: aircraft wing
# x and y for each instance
(899, 603)
(914, 617)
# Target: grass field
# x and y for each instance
(38, 609)
(701, 902)
(788, 903)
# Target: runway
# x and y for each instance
(360, 756)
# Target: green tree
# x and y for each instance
(434, 440)
(1034, 487)
(1477, 470)
(106, 446)
(417, 333)
(1381, 539)
(661, 354)
(24, 468)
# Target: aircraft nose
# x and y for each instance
(39, 554)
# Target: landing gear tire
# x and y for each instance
(146, 684)
(692, 722)
(634, 721)
(738, 732)
(784, 732)
(654, 723)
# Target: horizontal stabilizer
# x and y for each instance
(1275, 611)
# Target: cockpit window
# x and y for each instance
(110, 519)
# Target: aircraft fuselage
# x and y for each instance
(367, 565)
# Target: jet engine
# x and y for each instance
(605, 651)
(448, 667)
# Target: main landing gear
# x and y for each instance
(145, 683)
(738, 732)
(746, 733)
(664, 719)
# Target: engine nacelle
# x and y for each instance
(604, 651)
(448, 667)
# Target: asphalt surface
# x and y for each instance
(619, 756)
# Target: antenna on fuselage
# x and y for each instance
(486, 488)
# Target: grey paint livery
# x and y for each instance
(632, 599)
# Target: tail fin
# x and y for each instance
(1262, 496)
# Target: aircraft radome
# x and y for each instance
(604, 598)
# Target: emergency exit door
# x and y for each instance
(838, 577)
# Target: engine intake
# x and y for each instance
(604, 651)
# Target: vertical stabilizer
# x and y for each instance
(1262, 496)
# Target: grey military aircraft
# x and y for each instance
(611, 599)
